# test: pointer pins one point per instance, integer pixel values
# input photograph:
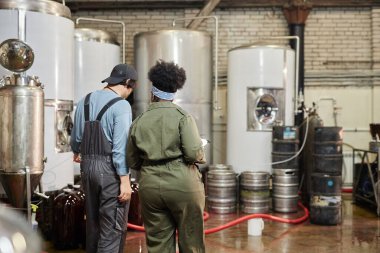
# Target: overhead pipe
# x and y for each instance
(22, 29)
(107, 21)
(296, 13)
(216, 39)
(297, 94)
(207, 9)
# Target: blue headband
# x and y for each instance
(162, 94)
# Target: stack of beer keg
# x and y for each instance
(254, 192)
(326, 176)
(285, 145)
(221, 188)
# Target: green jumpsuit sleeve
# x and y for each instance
(191, 141)
(134, 160)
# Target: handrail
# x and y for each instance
(216, 39)
(107, 21)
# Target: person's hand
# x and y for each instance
(125, 189)
(76, 158)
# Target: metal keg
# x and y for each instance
(254, 192)
(325, 200)
(285, 190)
(219, 166)
(325, 210)
(285, 144)
(326, 185)
(327, 155)
(211, 167)
(221, 189)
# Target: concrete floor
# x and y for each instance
(359, 232)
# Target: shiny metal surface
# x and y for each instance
(87, 34)
(63, 123)
(107, 21)
(265, 107)
(21, 133)
(264, 77)
(16, 55)
(191, 50)
(43, 6)
(259, 44)
(50, 32)
(90, 69)
(221, 191)
(16, 235)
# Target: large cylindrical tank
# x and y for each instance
(21, 136)
(47, 28)
(96, 53)
(91, 68)
(261, 80)
(191, 50)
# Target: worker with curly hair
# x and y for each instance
(164, 145)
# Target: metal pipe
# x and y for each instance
(342, 85)
(106, 21)
(28, 194)
(206, 10)
(297, 66)
(42, 195)
(362, 74)
(216, 39)
(355, 130)
(22, 28)
(335, 108)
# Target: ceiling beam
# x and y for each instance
(78, 5)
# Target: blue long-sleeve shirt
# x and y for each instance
(115, 123)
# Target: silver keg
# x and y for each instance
(285, 190)
(221, 191)
(254, 192)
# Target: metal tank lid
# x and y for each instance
(43, 6)
(172, 31)
(88, 34)
(259, 44)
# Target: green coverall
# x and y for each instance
(164, 144)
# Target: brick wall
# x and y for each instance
(376, 38)
(335, 38)
(338, 39)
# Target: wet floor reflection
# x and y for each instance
(359, 232)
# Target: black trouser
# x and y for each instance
(106, 217)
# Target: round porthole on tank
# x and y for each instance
(15, 55)
(266, 109)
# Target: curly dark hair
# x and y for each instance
(167, 76)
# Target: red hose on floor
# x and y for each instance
(242, 219)
(347, 190)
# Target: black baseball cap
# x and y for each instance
(120, 73)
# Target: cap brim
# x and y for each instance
(113, 80)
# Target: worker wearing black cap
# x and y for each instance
(98, 140)
(164, 144)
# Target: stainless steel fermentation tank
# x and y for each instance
(191, 50)
(21, 125)
(261, 84)
(91, 68)
(46, 26)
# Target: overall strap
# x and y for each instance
(87, 107)
(108, 105)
